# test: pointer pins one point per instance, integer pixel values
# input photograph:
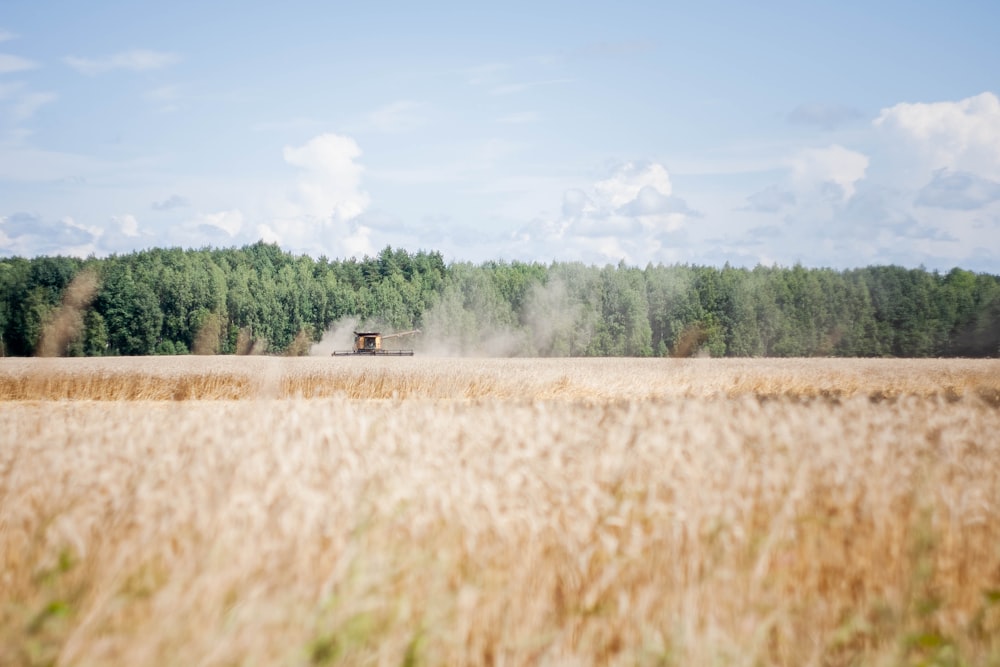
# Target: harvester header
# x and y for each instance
(370, 343)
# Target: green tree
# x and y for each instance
(95, 334)
(130, 310)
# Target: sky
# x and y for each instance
(830, 134)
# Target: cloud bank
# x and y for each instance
(918, 183)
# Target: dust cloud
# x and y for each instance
(340, 336)
(66, 323)
(472, 320)
(551, 322)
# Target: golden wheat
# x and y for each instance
(499, 512)
(600, 380)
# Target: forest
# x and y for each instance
(260, 299)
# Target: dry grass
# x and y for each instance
(560, 512)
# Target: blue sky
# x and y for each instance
(835, 134)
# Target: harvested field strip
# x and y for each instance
(228, 378)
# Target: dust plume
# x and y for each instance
(557, 323)
(473, 321)
(66, 323)
(340, 336)
(209, 336)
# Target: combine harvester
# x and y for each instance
(370, 343)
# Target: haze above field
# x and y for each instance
(839, 135)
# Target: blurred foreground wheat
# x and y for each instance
(558, 513)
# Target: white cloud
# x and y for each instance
(29, 235)
(122, 233)
(137, 60)
(818, 168)
(219, 229)
(9, 63)
(316, 237)
(128, 225)
(6, 35)
(962, 136)
(319, 213)
(330, 181)
(358, 243)
(268, 235)
(632, 215)
(231, 222)
(958, 190)
(926, 190)
(624, 185)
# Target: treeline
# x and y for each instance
(261, 299)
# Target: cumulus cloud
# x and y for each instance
(230, 222)
(823, 198)
(28, 234)
(137, 60)
(833, 170)
(961, 136)
(650, 201)
(932, 189)
(219, 229)
(825, 116)
(959, 190)
(128, 224)
(624, 184)
(629, 215)
(330, 179)
(319, 214)
(123, 233)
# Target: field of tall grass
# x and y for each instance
(263, 511)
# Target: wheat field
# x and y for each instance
(419, 511)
